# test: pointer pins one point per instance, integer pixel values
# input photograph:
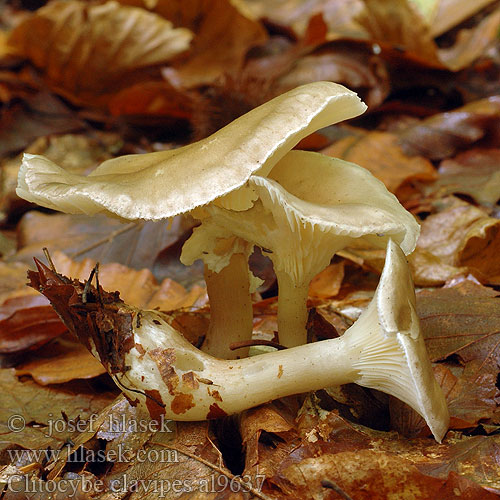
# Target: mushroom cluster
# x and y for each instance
(383, 350)
(247, 187)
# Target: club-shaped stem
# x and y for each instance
(292, 310)
(231, 311)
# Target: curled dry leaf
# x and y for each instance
(402, 24)
(38, 405)
(26, 323)
(223, 36)
(380, 153)
(461, 237)
(462, 320)
(72, 42)
(42, 114)
(339, 15)
(353, 66)
(60, 362)
(475, 173)
(444, 135)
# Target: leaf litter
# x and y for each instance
(196, 67)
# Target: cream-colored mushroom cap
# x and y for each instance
(309, 207)
(163, 184)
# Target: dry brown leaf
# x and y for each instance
(450, 13)
(136, 244)
(88, 51)
(37, 405)
(223, 36)
(152, 100)
(380, 153)
(462, 320)
(471, 43)
(76, 153)
(328, 282)
(475, 173)
(443, 135)
(461, 236)
(27, 322)
(400, 23)
(42, 114)
(471, 396)
(59, 362)
(137, 288)
(351, 66)
(339, 15)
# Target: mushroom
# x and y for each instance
(213, 171)
(309, 207)
(155, 365)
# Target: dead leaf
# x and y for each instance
(471, 43)
(462, 320)
(152, 100)
(450, 13)
(26, 323)
(475, 173)
(339, 15)
(38, 409)
(137, 244)
(137, 288)
(328, 282)
(223, 36)
(40, 115)
(59, 362)
(445, 134)
(401, 23)
(72, 42)
(475, 458)
(471, 394)
(352, 66)
(380, 153)
(461, 236)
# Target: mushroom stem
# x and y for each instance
(231, 311)
(292, 310)
(188, 384)
(155, 365)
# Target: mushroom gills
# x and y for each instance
(393, 362)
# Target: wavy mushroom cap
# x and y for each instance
(163, 184)
(311, 206)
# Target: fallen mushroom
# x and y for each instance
(154, 365)
(309, 207)
(213, 171)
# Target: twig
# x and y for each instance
(218, 469)
(326, 483)
(87, 286)
(49, 259)
(255, 342)
(106, 239)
